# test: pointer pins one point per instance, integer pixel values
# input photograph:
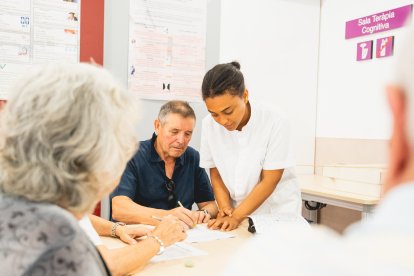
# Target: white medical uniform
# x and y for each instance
(240, 157)
(86, 225)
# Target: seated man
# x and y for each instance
(164, 176)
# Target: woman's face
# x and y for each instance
(229, 110)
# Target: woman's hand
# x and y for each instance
(226, 223)
(170, 230)
(226, 211)
(129, 234)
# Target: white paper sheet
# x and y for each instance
(167, 41)
(178, 251)
(202, 234)
(269, 222)
(36, 31)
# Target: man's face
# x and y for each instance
(174, 135)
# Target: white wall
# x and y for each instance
(351, 97)
(276, 42)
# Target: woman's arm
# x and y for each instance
(127, 234)
(221, 193)
(102, 226)
(130, 259)
(266, 186)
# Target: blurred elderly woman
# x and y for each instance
(66, 135)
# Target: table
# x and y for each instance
(219, 253)
(358, 196)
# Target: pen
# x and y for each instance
(181, 205)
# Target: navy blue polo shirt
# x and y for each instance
(144, 178)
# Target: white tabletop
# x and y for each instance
(349, 191)
(219, 252)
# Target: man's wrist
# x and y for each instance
(205, 211)
(164, 213)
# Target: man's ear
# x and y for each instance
(157, 125)
(399, 149)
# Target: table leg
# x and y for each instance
(367, 211)
(313, 207)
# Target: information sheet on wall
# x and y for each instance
(167, 48)
(34, 32)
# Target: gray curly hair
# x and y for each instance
(65, 135)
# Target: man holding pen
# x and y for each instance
(164, 176)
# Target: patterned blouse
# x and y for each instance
(44, 239)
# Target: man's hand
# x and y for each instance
(202, 216)
(187, 217)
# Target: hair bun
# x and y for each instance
(235, 64)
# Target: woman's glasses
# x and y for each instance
(172, 199)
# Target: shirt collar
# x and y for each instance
(156, 158)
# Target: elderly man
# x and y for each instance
(382, 245)
(164, 176)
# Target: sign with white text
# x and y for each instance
(379, 22)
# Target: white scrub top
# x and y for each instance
(86, 225)
(240, 157)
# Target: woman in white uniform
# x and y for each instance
(246, 146)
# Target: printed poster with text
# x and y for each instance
(167, 49)
(35, 32)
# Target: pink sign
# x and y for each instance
(364, 50)
(379, 22)
(385, 47)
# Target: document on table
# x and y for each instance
(270, 222)
(201, 233)
(178, 251)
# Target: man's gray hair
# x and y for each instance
(405, 79)
(65, 135)
(176, 107)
